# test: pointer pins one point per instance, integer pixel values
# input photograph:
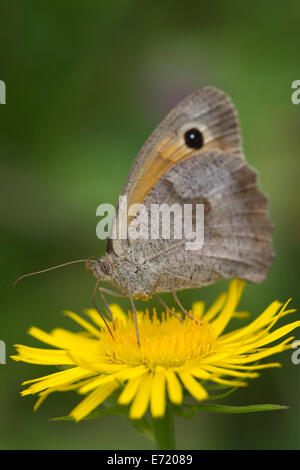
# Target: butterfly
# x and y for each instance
(193, 157)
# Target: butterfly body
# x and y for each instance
(126, 275)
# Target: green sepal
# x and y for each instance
(192, 410)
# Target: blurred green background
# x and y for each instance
(87, 81)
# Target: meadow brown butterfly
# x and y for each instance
(193, 157)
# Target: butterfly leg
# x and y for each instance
(182, 307)
(135, 319)
(107, 308)
(96, 308)
(113, 293)
(167, 308)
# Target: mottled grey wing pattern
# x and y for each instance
(237, 231)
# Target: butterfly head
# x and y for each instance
(101, 268)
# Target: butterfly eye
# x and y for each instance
(105, 267)
(194, 138)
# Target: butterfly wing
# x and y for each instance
(237, 230)
(208, 110)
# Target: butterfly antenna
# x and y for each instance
(48, 269)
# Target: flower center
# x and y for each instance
(167, 342)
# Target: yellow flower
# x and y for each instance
(174, 355)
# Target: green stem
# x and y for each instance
(164, 432)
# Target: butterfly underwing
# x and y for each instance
(193, 157)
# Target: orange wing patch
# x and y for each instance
(168, 152)
(164, 157)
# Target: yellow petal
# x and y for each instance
(95, 316)
(194, 387)
(230, 383)
(85, 324)
(119, 314)
(241, 315)
(284, 330)
(129, 390)
(198, 309)
(174, 387)
(43, 336)
(58, 379)
(200, 373)
(234, 294)
(93, 400)
(234, 373)
(216, 307)
(264, 318)
(142, 397)
(42, 356)
(257, 356)
(68, 340)
(256, 367)
(158, 393)
(123, 374)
